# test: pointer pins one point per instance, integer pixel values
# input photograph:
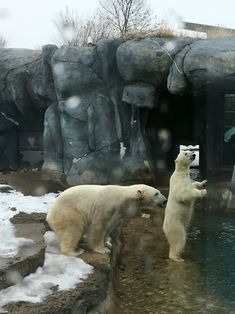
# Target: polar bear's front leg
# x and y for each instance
(199, 185)
(96, 238)
(69, 239)
(189, 194)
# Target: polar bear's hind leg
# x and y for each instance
(177, 242)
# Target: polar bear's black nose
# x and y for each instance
(163, 203)
(194, 156)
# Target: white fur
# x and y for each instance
(179, 209)
(96, 210)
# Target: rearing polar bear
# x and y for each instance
(179, 209)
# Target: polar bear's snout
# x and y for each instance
(193, 156)
(161, 201)
(190, 155)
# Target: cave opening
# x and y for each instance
(169, 124)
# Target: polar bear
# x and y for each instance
(179, 209)
(96, 210)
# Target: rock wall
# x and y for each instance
(97, 101)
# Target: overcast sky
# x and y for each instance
(28, 23)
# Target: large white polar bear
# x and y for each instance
(96, 210)
(179, 209)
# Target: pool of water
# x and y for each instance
(203, 283)
(212, 246)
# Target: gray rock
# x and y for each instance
(149, 59)
(177, 80)
(5, 188)
(25, 218)
(27, 88)
(9, 150)
(75, 70)
(141, 95)
(206, 64)
(96, 101)
(83, 132)
(106, 52)
(53, 152)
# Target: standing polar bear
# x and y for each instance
(96, 210)
(179, 209)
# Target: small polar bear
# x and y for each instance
(179, 209)
(96, 210)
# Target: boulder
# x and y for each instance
(140, 95)
(85, 128)
(149, 59)
(27, 88)
(52, 140)
(202, 65)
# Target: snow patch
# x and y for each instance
(59, 271)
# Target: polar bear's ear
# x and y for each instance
(140, 195)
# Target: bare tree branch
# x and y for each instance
(73, 30)
(127, 16)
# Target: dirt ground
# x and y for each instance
(138, 274)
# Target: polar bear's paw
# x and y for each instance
(176, 258)
(108, 243)
(203, 193)
(102, 250)
(204, 182)
(76, 253)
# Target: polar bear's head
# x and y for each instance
(184, 159)
(149, 199)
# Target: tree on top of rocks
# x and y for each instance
(74, 30)
(127, 16)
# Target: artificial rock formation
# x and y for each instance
(106, 108)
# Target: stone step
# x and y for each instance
(22, 218)
(5, 188)
(29, 257)
(80, 300)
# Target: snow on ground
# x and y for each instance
(12, 203)
(60, 271)
(9, 244)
